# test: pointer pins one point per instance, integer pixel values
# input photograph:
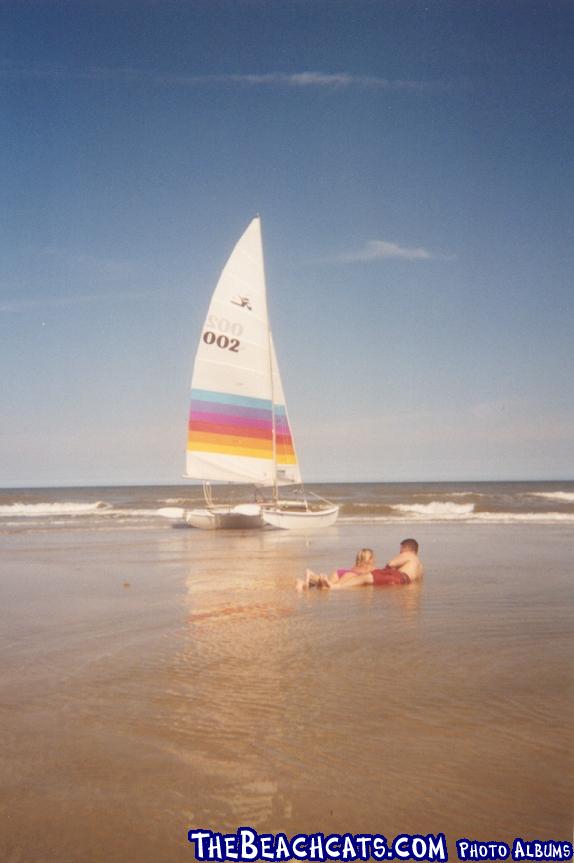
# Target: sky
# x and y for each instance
(412, 163)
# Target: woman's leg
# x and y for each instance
(351, 579)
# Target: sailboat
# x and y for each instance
(239, 430)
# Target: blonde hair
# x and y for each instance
(365, 555)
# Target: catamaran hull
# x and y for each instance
(253, 518)
(301, 520)
(224, 519)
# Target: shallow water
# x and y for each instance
(153, 682)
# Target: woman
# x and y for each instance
(364, 565)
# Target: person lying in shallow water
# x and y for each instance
(403, 569)
(364, 564)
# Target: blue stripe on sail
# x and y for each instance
(229, 399)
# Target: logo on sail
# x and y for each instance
(243, 302)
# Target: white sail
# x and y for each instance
(231, 425)
(287, 465)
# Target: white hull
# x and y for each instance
(300, 519)
(245, 517)
(252, 517)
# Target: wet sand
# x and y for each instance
(155, 681)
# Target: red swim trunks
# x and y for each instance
(389, 575)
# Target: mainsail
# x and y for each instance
(238, 426)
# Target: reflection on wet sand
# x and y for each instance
(407, 600)
(212, 694)
(252, 611)
(234, 652)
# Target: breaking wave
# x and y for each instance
(438, 511)
(565, 496)
(37, 510)
(441, 509)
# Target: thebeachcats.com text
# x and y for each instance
(246, 845)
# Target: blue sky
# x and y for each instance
(412, 165)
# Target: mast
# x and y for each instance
(271, 376)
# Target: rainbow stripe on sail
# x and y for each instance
(239, 426)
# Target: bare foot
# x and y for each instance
(323, 582)
(311, 578)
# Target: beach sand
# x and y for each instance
(156, 681)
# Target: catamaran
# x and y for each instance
(239, 431)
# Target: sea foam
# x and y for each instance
(441, 509)
(466, 518)
(35, 510)
(566, 496)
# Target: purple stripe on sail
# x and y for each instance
(281, 425)
(200, 406)
(230, 420)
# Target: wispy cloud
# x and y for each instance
(330, 80)
(375, 250)
(294, 80)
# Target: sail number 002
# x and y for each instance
(222, 340)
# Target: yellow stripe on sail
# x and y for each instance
(287, 457)
(235, 445)
(229, 450)
(200, 437)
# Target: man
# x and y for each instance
(403, 569)
(408, 561)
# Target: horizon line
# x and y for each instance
(144, 484)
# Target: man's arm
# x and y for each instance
(399, 561)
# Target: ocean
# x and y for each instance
(362, 503)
